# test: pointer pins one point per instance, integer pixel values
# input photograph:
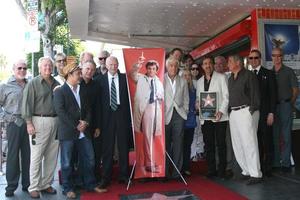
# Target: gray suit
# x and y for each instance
(176, 108)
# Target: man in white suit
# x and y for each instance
(214, 129)
(147, 115)
(176, 108)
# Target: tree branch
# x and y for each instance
(21, 8)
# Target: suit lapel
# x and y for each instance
(71, 95)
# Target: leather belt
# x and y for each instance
(42, 115)
(238, 107)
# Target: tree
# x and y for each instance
(53, 25)
(52, 13)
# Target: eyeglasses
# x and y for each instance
(22, 68)
(102, 58)
(276, 55)
(33, 142)
(251, 58)
(192, 69)
(59, 61)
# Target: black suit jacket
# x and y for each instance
(104, 102)
(268, 92)
(69, 113)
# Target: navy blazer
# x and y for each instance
(104, 102)
(69, 113)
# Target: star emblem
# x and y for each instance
(157, 196)
(208, 101)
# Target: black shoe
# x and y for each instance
(9, 193)
(285, 169)
(211, 174)
(25, 189)
(244, 177)
(123, 181)
(103, 184)
(268, 173)
(253, 180)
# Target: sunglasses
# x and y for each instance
(276, 55)
(22, 68)
(59, 61)
(33, 142)
(251, 58)
(103, 58)
(194, 69)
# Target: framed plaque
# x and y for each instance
(208, 105)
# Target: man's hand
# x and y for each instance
(82, 126)
(97, 132)
(218, 115)
(270, 119)
(30, 128)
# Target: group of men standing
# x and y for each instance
(82, 107)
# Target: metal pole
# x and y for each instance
(32, 64)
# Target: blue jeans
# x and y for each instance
(282, 128)
(86, 158)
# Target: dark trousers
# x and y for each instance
(117, 129)
(174, 143)
(18, 140)
(187, 142)
(97, 143)
(86, 158)
(215, 132)
(265, 145)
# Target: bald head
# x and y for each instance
(112, 65)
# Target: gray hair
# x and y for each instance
(19, 61)
(60, 55)
(172, 60)
(237, 58)
(41, 59)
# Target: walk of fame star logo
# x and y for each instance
(208, 101)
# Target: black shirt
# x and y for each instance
(244, 90)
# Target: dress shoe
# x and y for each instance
(244, 177)
(25, 189)
(187, 173)
(254, 180)
(71, 195)
(100, 190)
(123, 180)
(34, 194)
(103, 184)
(49, 190)
(9, 193)
(211, 174)
(285, 169)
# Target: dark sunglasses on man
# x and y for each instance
(33, 142)
(102, 58)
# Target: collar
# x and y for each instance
(112, 76)
(42, 79)
(257, 68)
(13, 79)
(72, 87)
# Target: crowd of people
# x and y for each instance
(84, 111)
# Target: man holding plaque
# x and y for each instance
(212, 101)
(244, 102)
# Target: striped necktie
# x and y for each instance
(113, 95)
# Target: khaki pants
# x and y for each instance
(44, 151)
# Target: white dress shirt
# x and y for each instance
(173, 84)
(116, 80)
(75, 92)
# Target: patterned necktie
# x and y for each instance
(113, 95)
(151, 100)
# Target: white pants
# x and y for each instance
(43, 153)
(243, 127)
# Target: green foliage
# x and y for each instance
(53, 23)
